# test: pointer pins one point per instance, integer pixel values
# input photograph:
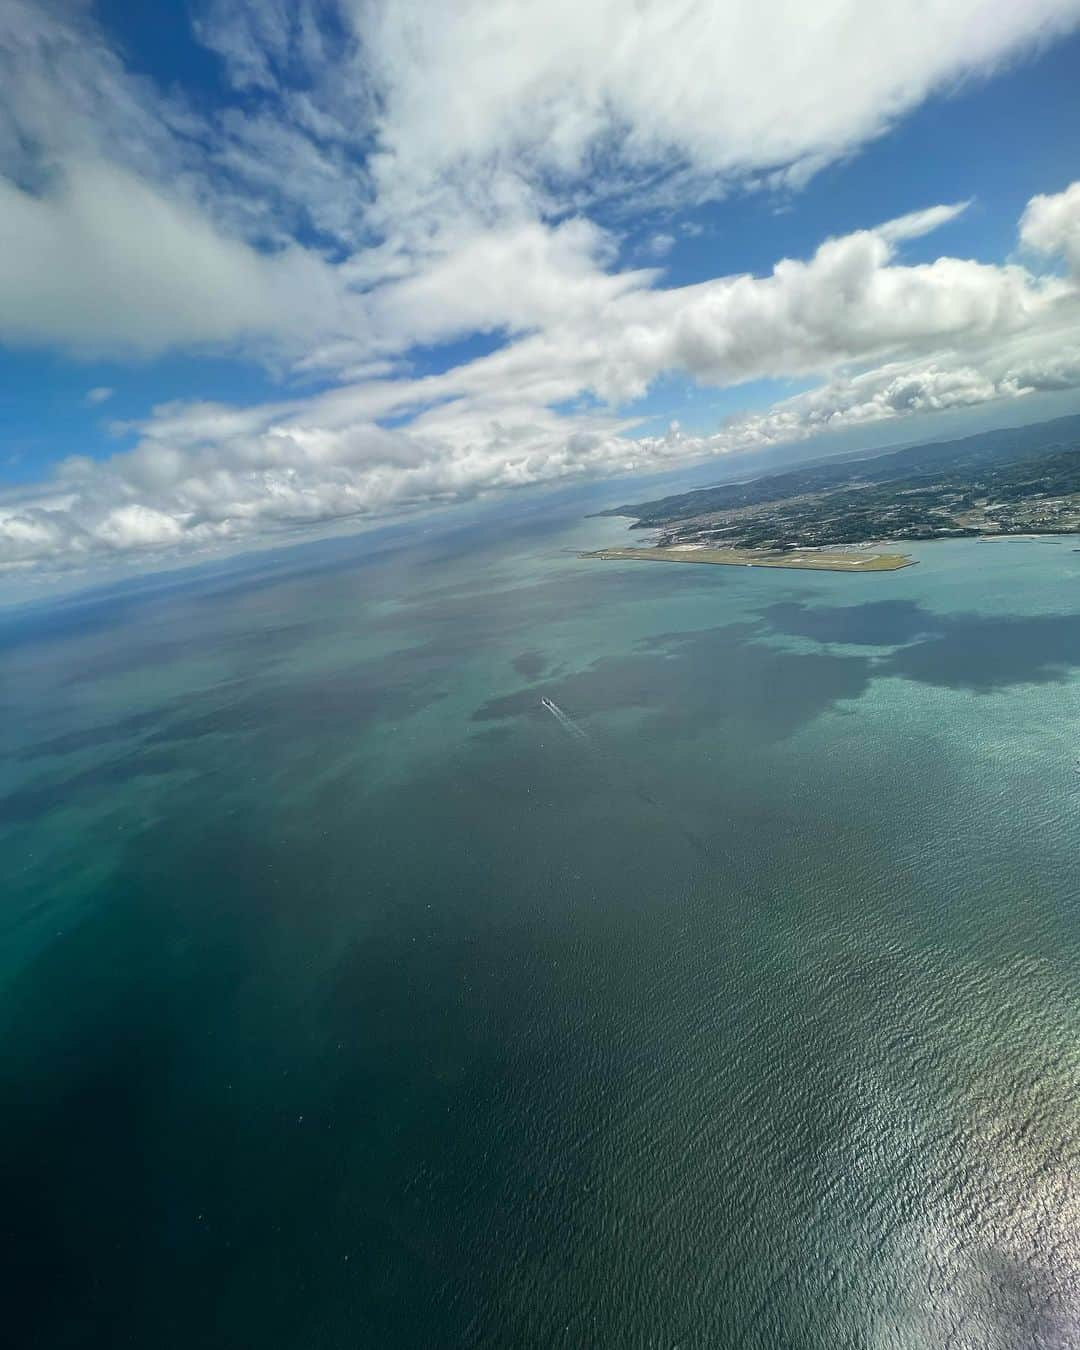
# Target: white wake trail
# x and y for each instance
(617, 776)
(565, 720)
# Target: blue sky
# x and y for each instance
(271, 266)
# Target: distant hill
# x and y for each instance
(981, 451)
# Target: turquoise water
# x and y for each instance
(349, 998)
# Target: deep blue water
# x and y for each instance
(350, 998)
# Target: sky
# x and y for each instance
(270, 267)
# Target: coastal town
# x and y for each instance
(999, 485)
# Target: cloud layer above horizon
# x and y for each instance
(375, 179)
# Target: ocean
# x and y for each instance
(352, 997)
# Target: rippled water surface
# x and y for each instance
(351, 997)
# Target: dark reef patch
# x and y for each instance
(530, 664)
(980, 652)
(695, 679)
(985, 652)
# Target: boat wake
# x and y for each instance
(621, 778)
(565, 720)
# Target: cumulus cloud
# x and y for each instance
(383, 179)
(281, 477)
(370, 144)
(98, 395)
(1051, 224)
(102, 261)
(883, 395)
(853, 300)
(526, 276)
(951, 334)
(850, 301)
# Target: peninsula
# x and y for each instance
(811, 560)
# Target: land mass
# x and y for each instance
(809, 559)
(1021, 481)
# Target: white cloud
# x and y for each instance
(551, 88)
(1051, 224)
(851, 301)
(883, 395)
(946, 335)
(917, 223)
(101, 394)
(526, 276)
(394, 178)
(419, 147)
(102, 261)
